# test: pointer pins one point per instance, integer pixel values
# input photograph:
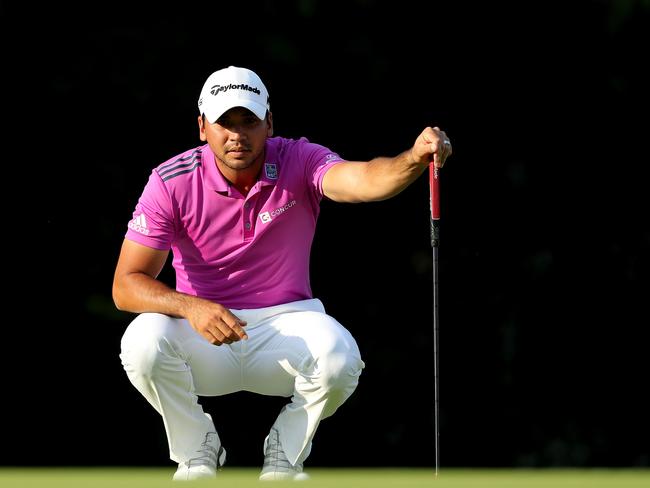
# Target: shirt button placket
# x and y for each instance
(248, 219)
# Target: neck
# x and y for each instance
(243, 179)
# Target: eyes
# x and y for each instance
(247, 122)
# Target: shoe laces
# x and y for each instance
(274, 456)
(210, 454)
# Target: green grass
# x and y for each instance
(335, 478)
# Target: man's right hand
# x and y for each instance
(215, 323)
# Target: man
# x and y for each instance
(239, 215)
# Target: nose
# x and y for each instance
(234, 136)
(236, 132)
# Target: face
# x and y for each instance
(237, 137)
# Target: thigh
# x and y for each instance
(287, 344)
(215, 370)
(315, 334)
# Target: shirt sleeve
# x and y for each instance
(318, 159)
(153, 219)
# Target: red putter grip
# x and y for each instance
(434, 203)
(434, 191)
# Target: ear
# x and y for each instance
(269, 124)
(202, 135)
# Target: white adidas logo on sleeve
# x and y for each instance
(139, 224)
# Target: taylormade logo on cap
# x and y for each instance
(216, 89)
(233, 87)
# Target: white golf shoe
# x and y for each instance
(211, 459)
(276, 465)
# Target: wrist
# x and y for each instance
(185, 304)
(412, 161)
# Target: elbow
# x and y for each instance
(117, 300)
(118, 296)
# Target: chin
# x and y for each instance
(239, 163)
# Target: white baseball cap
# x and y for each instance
(233, 87)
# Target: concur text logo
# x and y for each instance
(266, 217)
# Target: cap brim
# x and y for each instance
(213, 112)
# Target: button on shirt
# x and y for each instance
(240, 251)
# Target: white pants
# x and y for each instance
(293, 349)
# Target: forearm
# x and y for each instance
(383, 178)
(386, 177)
(139, 292)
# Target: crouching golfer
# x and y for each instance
(239, 215)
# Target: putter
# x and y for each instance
(434, 204)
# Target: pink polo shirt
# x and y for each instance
(240, 251)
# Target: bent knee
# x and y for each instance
(144, 341)
(339, 370)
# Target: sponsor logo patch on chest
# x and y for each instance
(271, 171)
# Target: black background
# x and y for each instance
(544, 242)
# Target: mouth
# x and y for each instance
(237, 154)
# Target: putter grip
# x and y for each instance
(434, 203)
